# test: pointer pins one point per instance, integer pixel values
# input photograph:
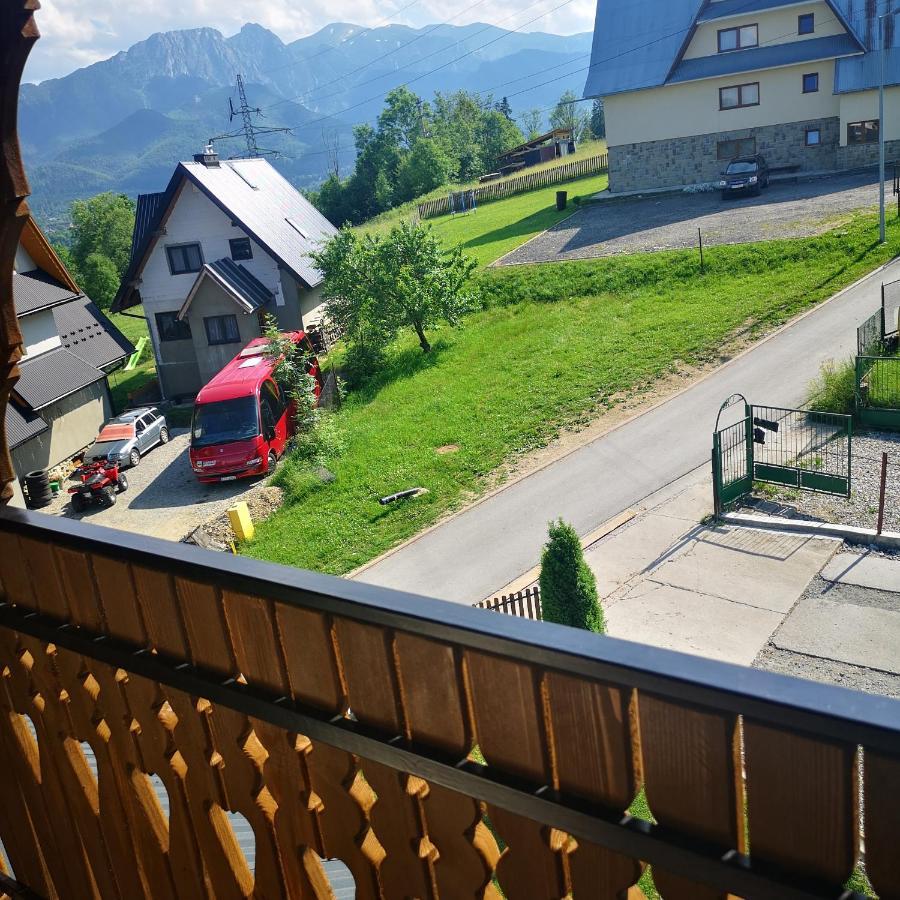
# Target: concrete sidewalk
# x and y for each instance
(714, 591)
(846, 627)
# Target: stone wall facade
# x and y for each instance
(859, 156)
(694, 160)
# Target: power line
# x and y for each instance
(249, 128)
(331, 47)
(434, 28)
(381, 95)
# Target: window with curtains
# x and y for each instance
(739, 96)
(222, 330)
(738, 38)
(184, 258)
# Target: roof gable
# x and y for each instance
(628, 56)
(253, 194)
(635, 47)
(241, 285)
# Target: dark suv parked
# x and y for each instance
(745, 175)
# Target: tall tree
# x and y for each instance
(423, 169)
(402, 121)
(505, 109)
(100, 247)
(566, 114)
(598, 120)
(532, 123)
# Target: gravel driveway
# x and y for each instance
(670, 222)
(164, 499)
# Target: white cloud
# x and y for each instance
(76, 33)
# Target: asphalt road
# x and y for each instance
(486, 547)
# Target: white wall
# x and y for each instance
(864, 105)
(23, 263)
(39, 333)
(682, 110)
(777, 26)
(196, 218)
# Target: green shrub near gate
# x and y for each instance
(568, 587)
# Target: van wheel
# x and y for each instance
(134, 457)
(164, 435)
(273, 461)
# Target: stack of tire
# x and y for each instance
(36, 487)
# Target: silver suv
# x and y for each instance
(128, 437)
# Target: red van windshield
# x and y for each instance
(225, 422)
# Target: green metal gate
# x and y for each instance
(878, 391)
(803, 449)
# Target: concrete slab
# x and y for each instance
(693, 504)
(864, 571)
(635, 548)
(859, 635)
(677, 619)
(756, 568)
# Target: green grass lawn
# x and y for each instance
(497, 228)
(122, 383)
(556, 344)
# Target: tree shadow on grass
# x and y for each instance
(535, 223)
(400, 365)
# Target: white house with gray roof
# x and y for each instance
(227, 242)
(689, 84)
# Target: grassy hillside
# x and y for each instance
(556, 344)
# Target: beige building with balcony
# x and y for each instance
(716, 79)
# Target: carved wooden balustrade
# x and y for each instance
(437, 750)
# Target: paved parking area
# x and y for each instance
(163, 499)
(670, 222)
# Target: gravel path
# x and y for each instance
(670, 222)
(164, 499)
(861, 509)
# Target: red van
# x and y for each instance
(242, 419)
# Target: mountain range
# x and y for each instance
(123, 123)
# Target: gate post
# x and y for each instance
(717, 476)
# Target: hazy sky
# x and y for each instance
(76, 33)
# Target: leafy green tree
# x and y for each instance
(403, 118)
(99, 279)
(568, 587)
(102, 228)
(423, 169)
(566, 114)
(377, 285)
(532, 123)
(598, 120)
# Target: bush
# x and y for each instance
(361, 362)
(835, 388)
(568, 586)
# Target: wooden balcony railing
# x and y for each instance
(436, 750)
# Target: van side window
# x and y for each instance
(272, 407)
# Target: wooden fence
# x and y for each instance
(525, 604)
(231, 682)
(497, 190)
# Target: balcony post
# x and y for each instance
(18, 32)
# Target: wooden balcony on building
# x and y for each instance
(436, 751)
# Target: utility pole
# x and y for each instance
(249, 129)
(882, 233)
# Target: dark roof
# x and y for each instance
(257, 198)
(150, 208)
(22, 423)
(242, 282)
(36, 290)
(640, 45)
(89, 334)
(764, 58)
(51, 376)
(725, 8)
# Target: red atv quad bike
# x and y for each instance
(100, 482)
